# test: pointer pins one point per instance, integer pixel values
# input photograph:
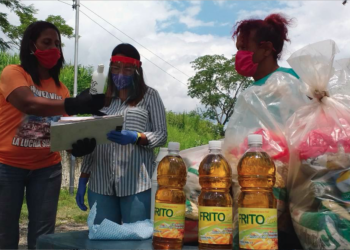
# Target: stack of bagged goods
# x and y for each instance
(319, 138)
(192, 190)
(264, 110)
(342, 71)
(193, 157)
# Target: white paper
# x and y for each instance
(70, 119)
(67, 131)
(75, 119)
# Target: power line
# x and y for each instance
(64, 2)
(100, 25)
(134, 40)
(122, 41)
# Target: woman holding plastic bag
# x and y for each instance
(264, 108)
(319, 137)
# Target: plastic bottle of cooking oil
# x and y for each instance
(162, 153)
(215, 201)
(169, 213)
(256, 204)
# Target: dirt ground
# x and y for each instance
(64, 227)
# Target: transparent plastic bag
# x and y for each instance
(193, 158)
(319, 138)
(264, 110)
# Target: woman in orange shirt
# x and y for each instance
(31, 96)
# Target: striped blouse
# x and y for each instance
(126, 170)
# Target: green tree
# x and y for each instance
(216, 84)
(26, 17)
(60, 23)
(5, 26)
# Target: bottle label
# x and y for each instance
(93, 87)
(215, 225)
(169, 220)
(258, 228)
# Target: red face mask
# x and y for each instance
(244, 63)
(48, 58)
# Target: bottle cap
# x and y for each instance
(174, 146)
(255, 139)
(100, 68)
(215, 144)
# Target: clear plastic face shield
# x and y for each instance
(123, 73)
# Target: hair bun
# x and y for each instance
(280, 23)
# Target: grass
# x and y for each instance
(84, 77)
(68, 211)
(6, 59)
(190, 130)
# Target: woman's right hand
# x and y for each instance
(85, 103)
(81, 192)
(24, 100)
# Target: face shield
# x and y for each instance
(122, 70)
(123, 74)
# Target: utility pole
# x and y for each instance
(76, 5)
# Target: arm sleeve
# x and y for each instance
(66, 95)
(87, 163)
(159, 134)
(12, 77)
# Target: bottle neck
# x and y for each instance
(174, 152)
(214, 151)
(255, 146)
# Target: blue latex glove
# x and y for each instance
(123, 137)
(81, 193)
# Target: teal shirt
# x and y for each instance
(280, 69)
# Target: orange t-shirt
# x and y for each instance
(25, 139)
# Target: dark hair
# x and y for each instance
(29, 62)
(139, 89)
(272, 29)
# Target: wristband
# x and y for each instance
(138, 138)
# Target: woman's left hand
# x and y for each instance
(83, 147)
(123, 137)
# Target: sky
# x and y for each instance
(170, 34)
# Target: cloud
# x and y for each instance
(193, 22)
(188, 17)
(225, 24)
(140, 20)
(225, 3)
(220, 3)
